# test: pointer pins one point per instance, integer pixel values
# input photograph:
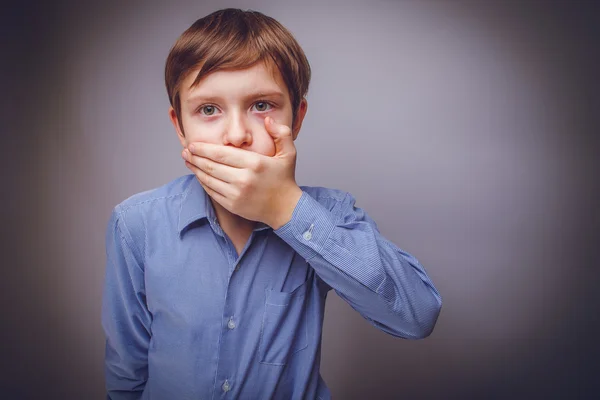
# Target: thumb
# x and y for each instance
(282, 136)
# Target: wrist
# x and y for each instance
(286, 207)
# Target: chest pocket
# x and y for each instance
(284, 329)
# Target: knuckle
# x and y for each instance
(237, 194)
(244, 184)
(258, 165)
(247, 183)
(251, 179)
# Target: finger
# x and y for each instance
(282, 137)
(218, 197)
(228, 155)
(223, 172)
(215, 184)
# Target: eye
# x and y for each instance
(208, 110)
(262, 106)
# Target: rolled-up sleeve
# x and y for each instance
(125, 317)
(386, 285)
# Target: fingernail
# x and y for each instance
(191, 147)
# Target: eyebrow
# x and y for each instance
(212, 98)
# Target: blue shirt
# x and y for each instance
(185, 317)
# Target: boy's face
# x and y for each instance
(229, 108)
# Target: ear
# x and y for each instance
(175, 122)
(302, 108)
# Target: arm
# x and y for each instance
(125, 317)
(386, 285)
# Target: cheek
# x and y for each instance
(198, 131)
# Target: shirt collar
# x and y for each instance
(196, 205)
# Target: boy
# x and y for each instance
(216, 282)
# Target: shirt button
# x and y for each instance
(231, 324)
(307, 235)
(226, 387)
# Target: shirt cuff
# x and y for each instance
(309, 228)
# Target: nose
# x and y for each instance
(237, 131)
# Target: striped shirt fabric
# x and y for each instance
(186, 317)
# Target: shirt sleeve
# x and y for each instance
(385, 284)
(125, 317)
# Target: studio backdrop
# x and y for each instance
(463, 128)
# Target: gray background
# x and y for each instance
(466, 129)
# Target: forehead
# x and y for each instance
(260, 76)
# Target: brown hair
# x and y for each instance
(235, 39)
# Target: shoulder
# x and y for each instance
(158, 204)
(174, 188)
